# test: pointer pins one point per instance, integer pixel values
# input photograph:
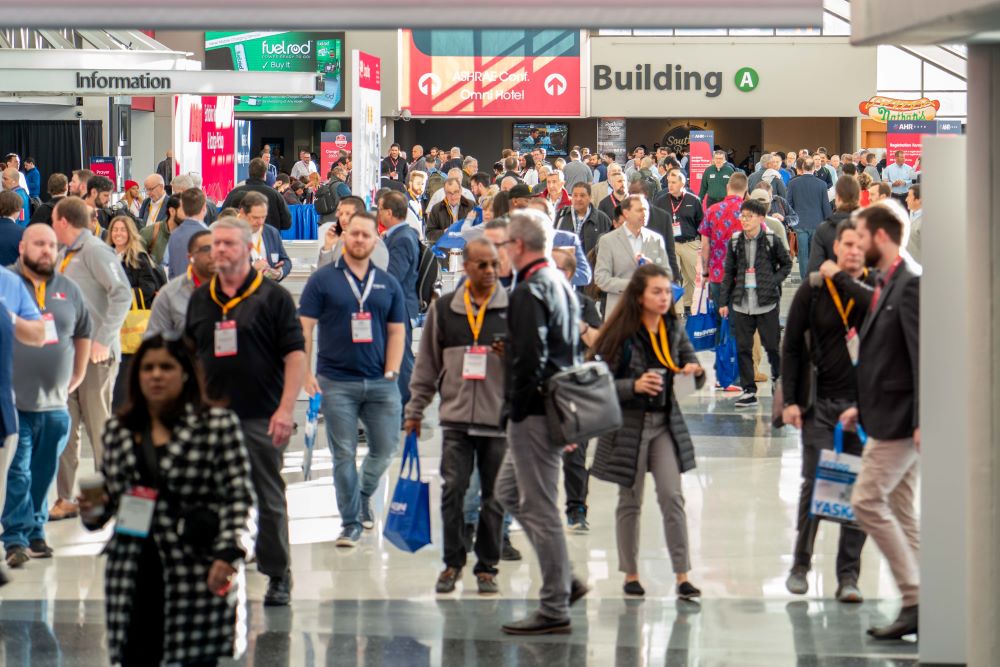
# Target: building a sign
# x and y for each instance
(884, 109)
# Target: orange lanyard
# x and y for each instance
(40, 295)
(476, 323)
(259, 244)
(844, 313)
(66, 260)
(235, 301)
(192, 277)
(662, 350)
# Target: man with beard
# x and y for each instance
(43, 379)
(888, 404)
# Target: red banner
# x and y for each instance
(218, 147)
(104, 166)
(907, 136)
(519, 73)
(370, 71)
(331, 143)
(701, 144)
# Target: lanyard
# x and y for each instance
(884, 280)
(454, 217)
(674, 209)
(40, 295)
(476, 324)
(614, 200)
(259, 244)
(153, 215)
(192, 277)
(662, 350)
(351, 280)
(414, 199)
(844, 313)
(235, 301)
(66, 260)
(532, 271)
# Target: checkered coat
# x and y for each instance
(205, 464)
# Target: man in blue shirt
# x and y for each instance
(10, 182)
(21, 321)
(32, 177)
(361, 313)
(193, 206)
(900, 176)
(404, 265)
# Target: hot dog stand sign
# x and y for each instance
(883, 109)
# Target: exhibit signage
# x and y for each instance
(218, 146)
(105, 166)
(611, 137)
(491, 72)
(907, 136)
(366, 125)
(702, 145)
(331, 143)
(243, 153)
(884, 109)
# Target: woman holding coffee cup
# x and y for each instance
(177, 483)
(645, 345)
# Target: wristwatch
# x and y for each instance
(391, 375)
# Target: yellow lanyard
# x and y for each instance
(416, 200)
(844, 314)
(476, 323)
(259, 244)
(40, 295)
(662, 350)
(232, 303)
(66, 260)
(193, 278)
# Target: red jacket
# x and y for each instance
(564, 199)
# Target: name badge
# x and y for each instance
(750, 279)
(677, 228)
(361, 327)
(711, 175)
(225, 338)
(135, 511)
(51, 335)
(853, 345)
(474, 363)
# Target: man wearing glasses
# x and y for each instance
(171, 304)
(153, 208)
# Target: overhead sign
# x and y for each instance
(366, 125)
(949, 127)
(104, 83)
(320, 53)
(517, 73)
(884, 109)
(732, 77)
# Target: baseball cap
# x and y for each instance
(519, 190)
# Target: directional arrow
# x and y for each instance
(555, 84)
(429, 84)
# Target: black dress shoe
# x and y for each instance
(905, 624)
(536, 624)
(279, 591)
(634, 588)
(577, 590)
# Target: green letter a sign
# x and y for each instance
(747, 79)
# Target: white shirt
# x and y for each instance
(301, 170)
(634, 240)
(257, 251)
(438, 197)
(154, 210)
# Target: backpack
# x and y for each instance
(327, 199)
(428, 276)
(35, 203)
(435, 181)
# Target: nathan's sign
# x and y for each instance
(884, 109)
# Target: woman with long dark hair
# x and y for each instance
(177, 480)
(529, 174)
(646, 346)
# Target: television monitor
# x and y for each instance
(553, 137)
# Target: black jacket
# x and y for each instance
(594, 227)
(44, 212)
(617, 456)
(278, 215)
(821, 246)
(147, 278)
(439, 218)
(659, 222)
(772, 265)
(543, 322)
(889, 361)
(401, 168)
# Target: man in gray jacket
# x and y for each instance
(169, 313)
(576, 171)
(456, 360)
(97, 271)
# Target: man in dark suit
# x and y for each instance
(583, 219)
(388, 182)
(888, 403)
(404, 265)
(659, 221)
(167, 169)
(267, 253)
(278, 215)
(394, 166)
(451, 209)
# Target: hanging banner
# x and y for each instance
(702, 144)
(242, 150)
(518, 73)
(907, 136)
(884, 109)
(218, 146)
(949, 127)
(611, 137)
(331, 143)
(366, 123)
(104, 166)
(187, 121)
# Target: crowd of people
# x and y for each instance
(190, 407)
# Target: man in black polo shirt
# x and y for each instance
(361, 313)
(686, 216)
(250, 344)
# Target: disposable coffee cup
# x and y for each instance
(92, 488)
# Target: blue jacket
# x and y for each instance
(25, 215)
(404, 263)
(807, 194)
(10, 237)
(274, 245)
(272, 175)
(583, 274)
(34, 180)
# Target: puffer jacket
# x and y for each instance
(617, 457)
(438, 368)
(772, 263)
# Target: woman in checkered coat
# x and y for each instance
(173, 595)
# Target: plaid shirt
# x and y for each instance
(719, 225)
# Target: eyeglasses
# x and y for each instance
(201, 250)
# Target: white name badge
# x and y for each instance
(225, 338)
(474, 363)
(51, 335)
(750, 279)
(853, 345)
(135, 511)
(677, 228)
(361, 327)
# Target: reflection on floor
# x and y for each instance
(375, 605)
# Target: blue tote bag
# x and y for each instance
(408, 525)
(702, 327)
(727, 368)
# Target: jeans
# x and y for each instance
(42, 436)
(804, 239)
(459, 453)
(744, 327)
(378, 405)
(470, 506)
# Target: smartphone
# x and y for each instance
(499, 338)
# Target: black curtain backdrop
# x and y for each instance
(55, 144)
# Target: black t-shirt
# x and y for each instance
(268, 329)
(588, 311)
(688, 212)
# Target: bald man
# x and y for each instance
(153, 208)
(11, 181)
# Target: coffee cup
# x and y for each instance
(92, 489)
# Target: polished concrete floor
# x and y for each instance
(376, 605)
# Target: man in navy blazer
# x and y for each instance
(404, 265)
(267, 252)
